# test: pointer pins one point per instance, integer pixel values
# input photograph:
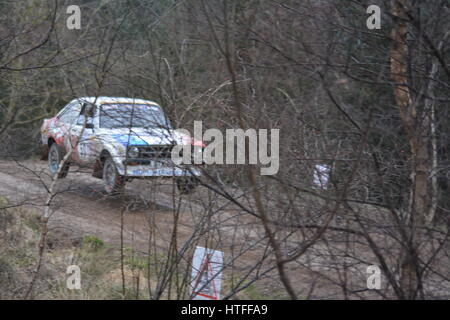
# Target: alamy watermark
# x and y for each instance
(374, 21)
(235, 145)
(73, 22)
(73, 282)
(374, 278)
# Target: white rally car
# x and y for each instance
(119, 138)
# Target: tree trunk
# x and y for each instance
(417, 136)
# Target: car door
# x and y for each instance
(84, 152)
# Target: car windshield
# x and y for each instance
(127, 115)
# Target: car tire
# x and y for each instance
(55, 156)
(187, 185)
(114, 182)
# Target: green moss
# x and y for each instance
(93, 242)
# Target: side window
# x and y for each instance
(87, 110)
(63, 111)
(71, 113)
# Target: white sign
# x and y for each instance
(321, 175)
(207, 265)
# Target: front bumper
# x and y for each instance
(155, 170)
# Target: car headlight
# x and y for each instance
(133, 152)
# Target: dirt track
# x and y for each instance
(82, 208)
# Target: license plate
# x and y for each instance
(160, 172)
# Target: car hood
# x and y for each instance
(141, 136)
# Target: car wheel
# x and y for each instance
(114, 182)
(187, 185)
(55, 156)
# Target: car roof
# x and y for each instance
(104, 100)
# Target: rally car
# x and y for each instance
(120, 139)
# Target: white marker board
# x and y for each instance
(206, 280)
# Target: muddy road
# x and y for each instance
(148, 207)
